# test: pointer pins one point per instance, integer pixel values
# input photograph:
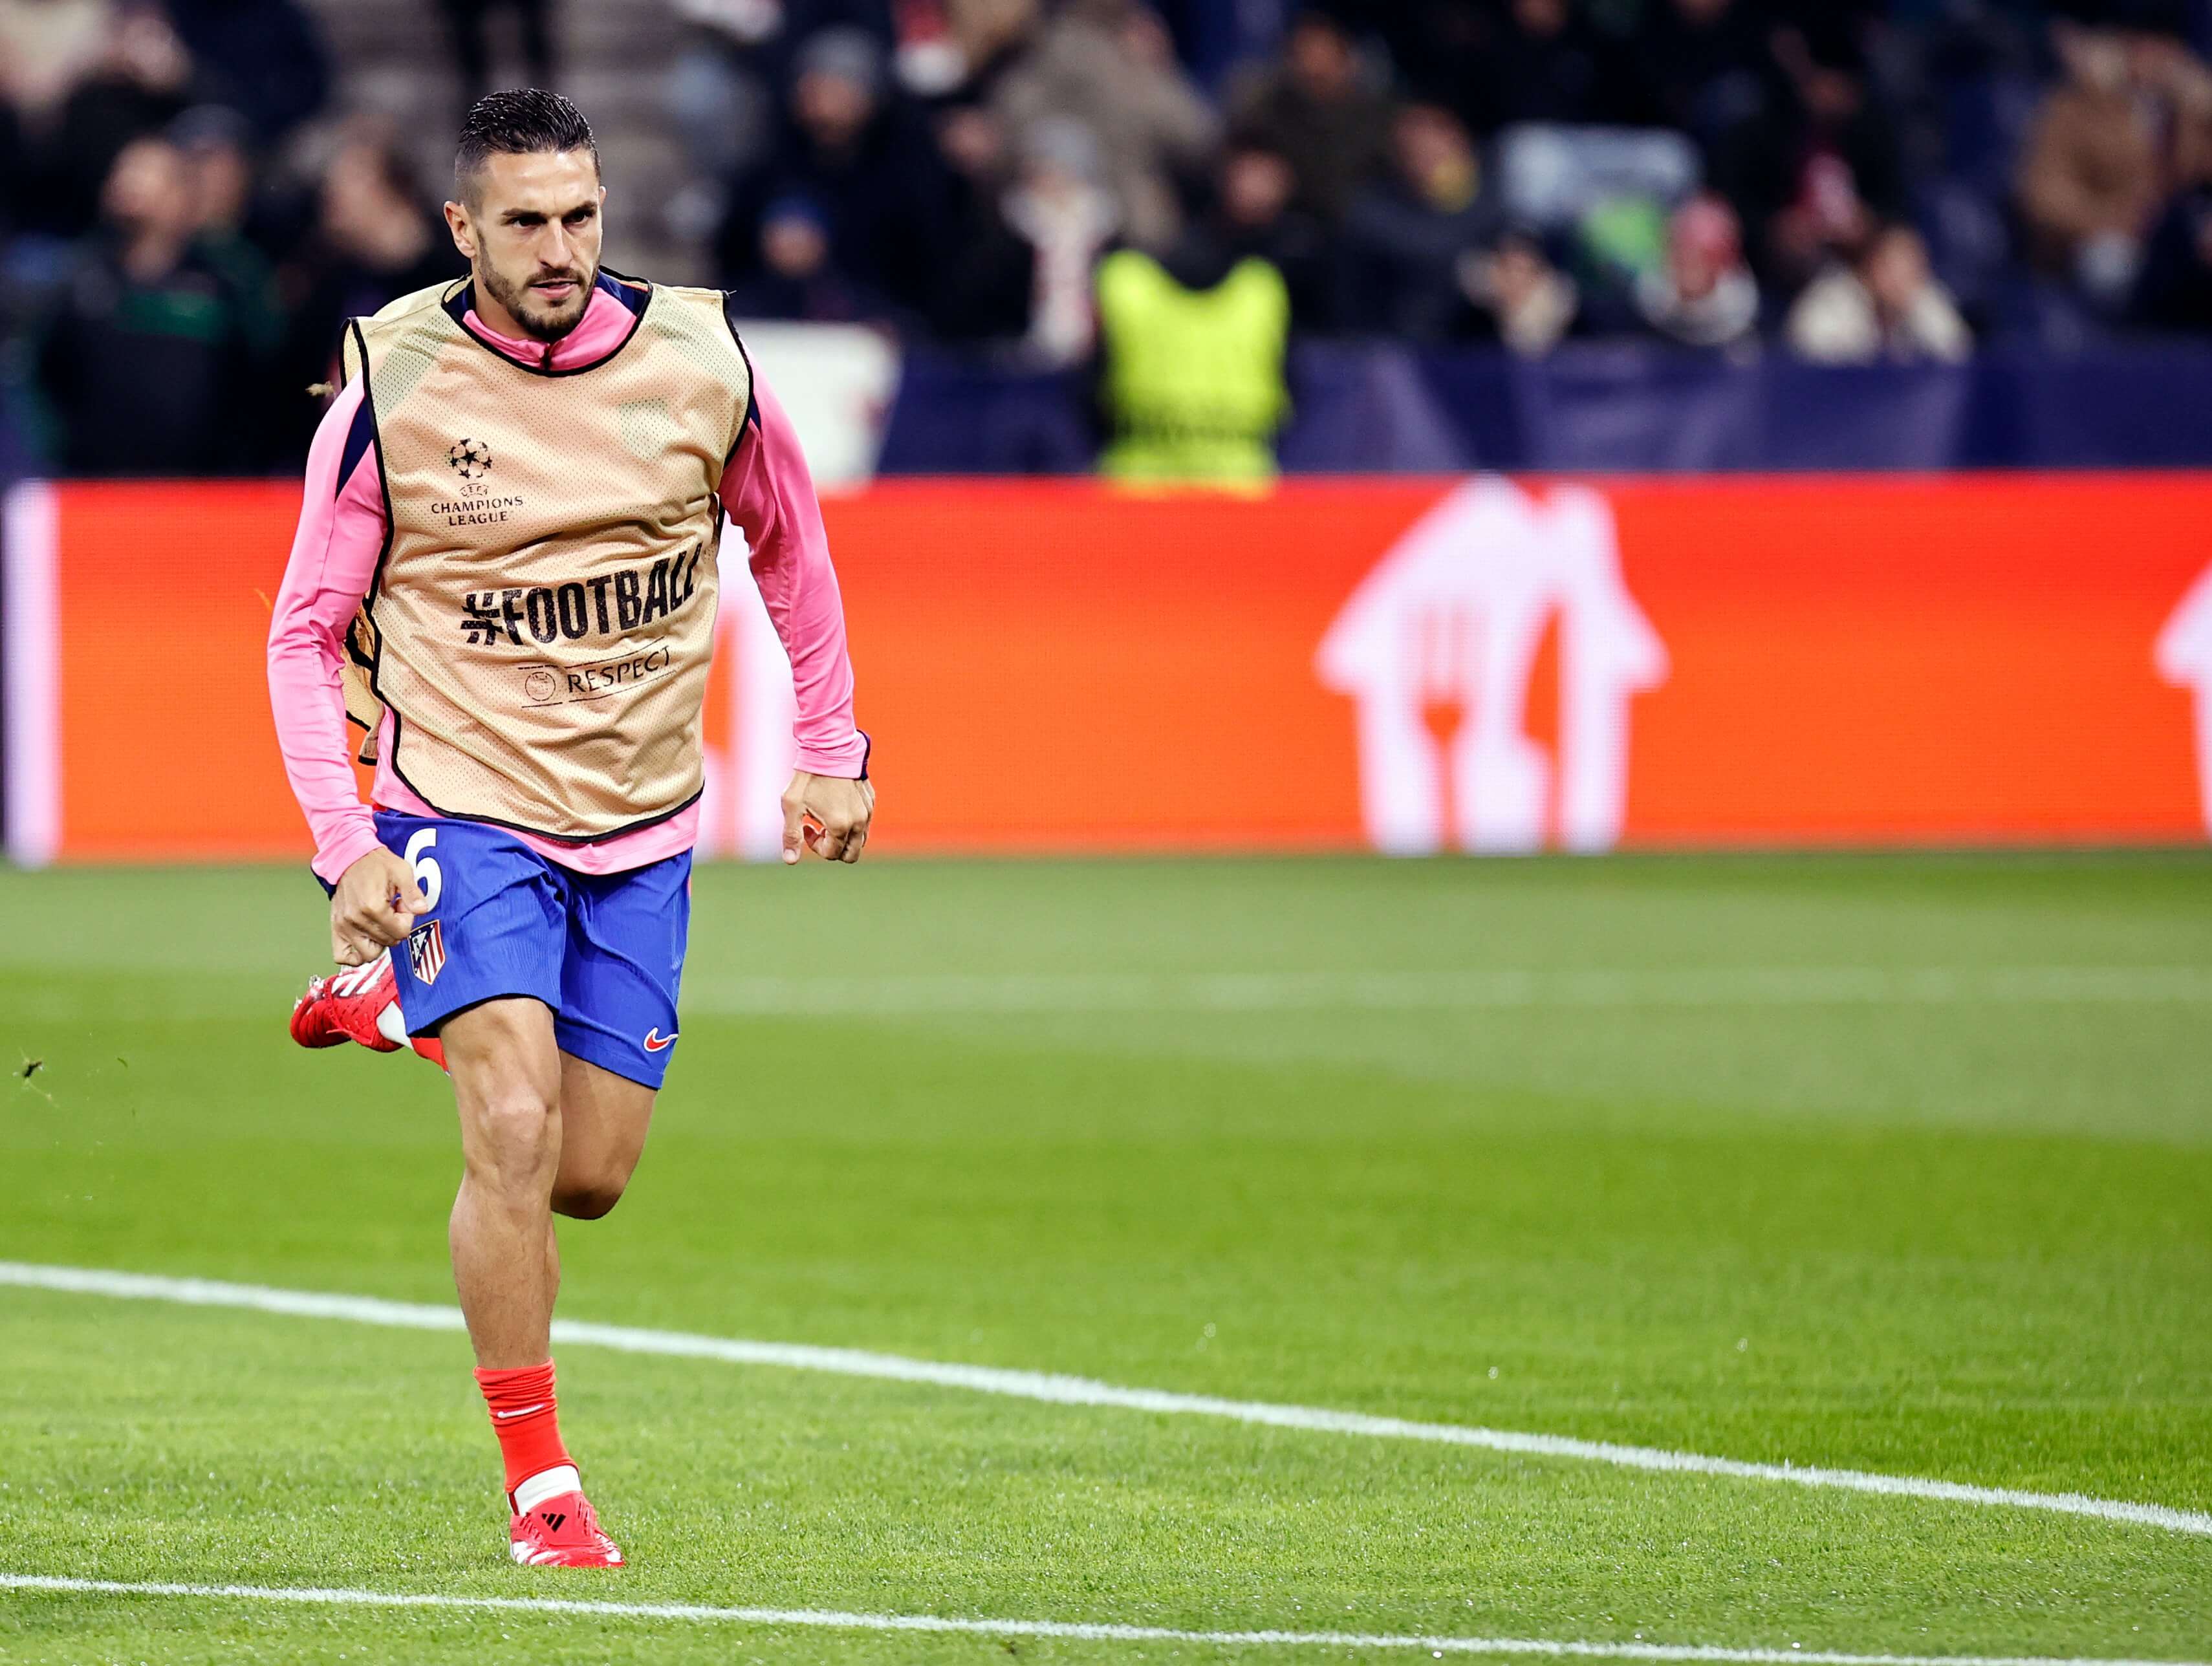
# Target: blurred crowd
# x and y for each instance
(184, 218)
(1851, 179)
(175, 266)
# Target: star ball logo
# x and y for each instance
(470, 458)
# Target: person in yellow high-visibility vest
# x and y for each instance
(1193, 379)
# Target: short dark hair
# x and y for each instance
(521, 121)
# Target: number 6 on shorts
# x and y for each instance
(427, 873)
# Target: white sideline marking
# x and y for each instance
(1505, 989)
(832, 1620)
(1060, 1390)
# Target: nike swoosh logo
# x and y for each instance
(524, 1412)
(654, 1041)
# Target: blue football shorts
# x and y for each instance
(604, 952)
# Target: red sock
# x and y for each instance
(524, 1418)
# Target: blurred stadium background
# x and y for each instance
(1731, 440)
(1524, 234)
(1829, 344)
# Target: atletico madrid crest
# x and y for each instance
(426, 951)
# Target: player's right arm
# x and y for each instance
(332, 564)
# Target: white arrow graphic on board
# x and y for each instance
(2184, 658)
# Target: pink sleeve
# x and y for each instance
(770, 496)
(332, 564)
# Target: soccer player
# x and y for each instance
(505, 570)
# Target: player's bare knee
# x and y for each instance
(516, 1133)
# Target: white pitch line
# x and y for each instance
(1076, 1631)
(1060, 1390)
(1501, 990)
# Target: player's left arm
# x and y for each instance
(830, 802)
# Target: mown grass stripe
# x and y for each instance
(1505, 989)
(1057, 1389)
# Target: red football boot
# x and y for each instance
(563, 1531)
(359, 1004)
(347, 1007)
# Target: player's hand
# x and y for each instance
(373, 907)
(844, 808)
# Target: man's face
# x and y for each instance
(532, 234)
(1255, 187)
(1321, 60)
(149, 186)
(793, 246)
(834, 109)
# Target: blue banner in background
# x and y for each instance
(1365, 409)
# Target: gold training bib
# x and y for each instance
(542, 621)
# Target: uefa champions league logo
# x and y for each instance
(470, 458)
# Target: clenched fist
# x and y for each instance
(844, 808)
(373, 907)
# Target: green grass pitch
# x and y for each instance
(1897, 1164)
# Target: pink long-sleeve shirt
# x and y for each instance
(766, 492)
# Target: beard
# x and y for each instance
(541, 320)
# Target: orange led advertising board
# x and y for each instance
(1411, 665)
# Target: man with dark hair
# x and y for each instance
(505, 572)
(150, 362)
(1320, 107)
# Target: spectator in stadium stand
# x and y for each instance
(861, 153)
(1322, 106)
(1886, 306)
(375, 239)
(1111, 65)
(796, 280)
(1252, 217)
(1532, 305)
(217, 146)
(263, 58)
(956, 49)
(1407, 235)
(1549, 63)
(1705, 70)
(733, 60)
(213, 143)
(467, 26)
(83, 80)
(1059, 206)
(1704, 293)
(718, 100)
(149, 358)
(2132, 117)
(2175, 289)
(1824, 166)
(988, 273)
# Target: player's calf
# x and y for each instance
(604, 1119)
